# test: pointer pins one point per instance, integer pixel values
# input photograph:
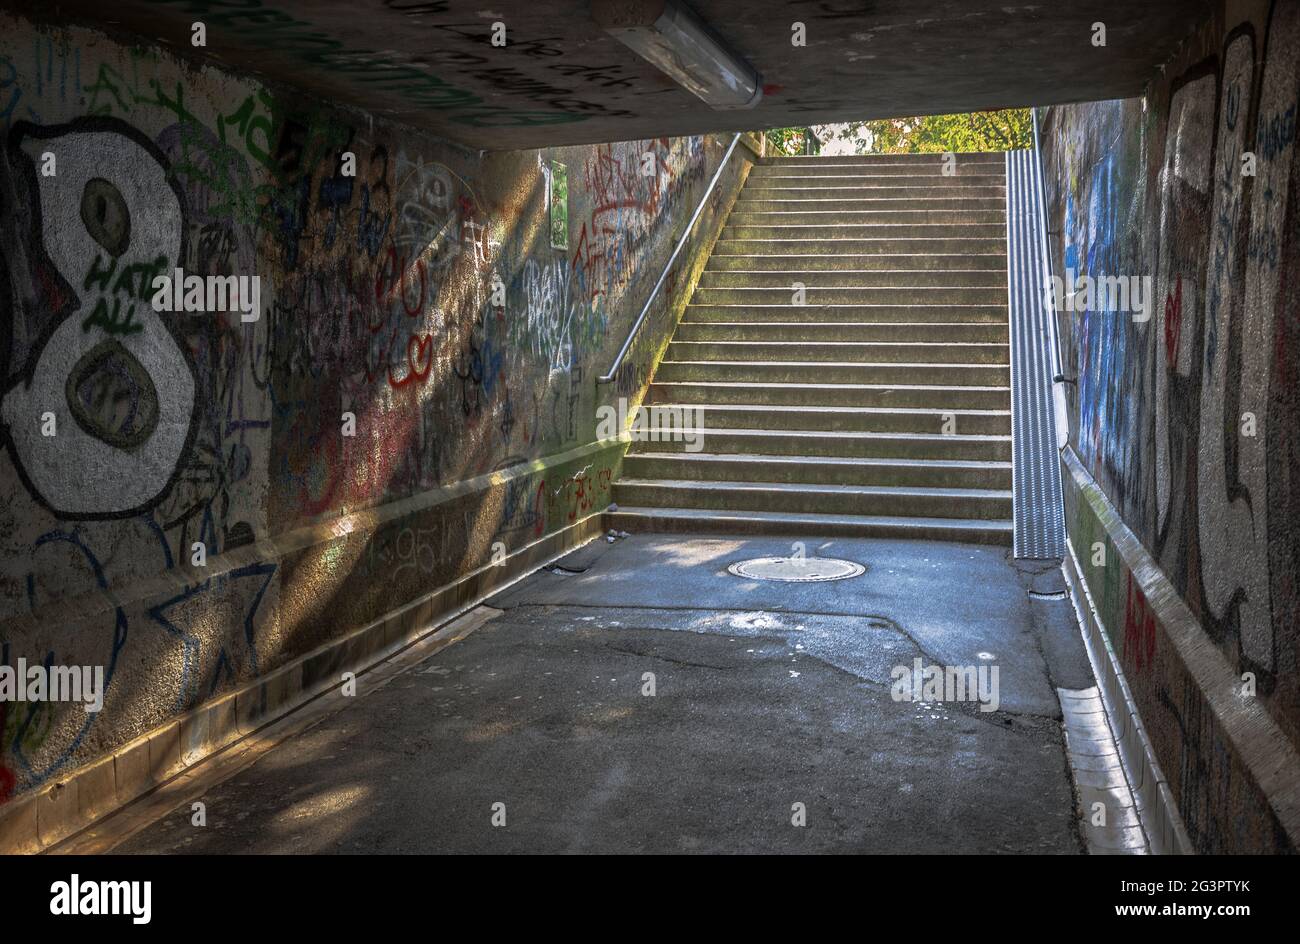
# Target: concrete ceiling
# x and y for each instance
(561, 80)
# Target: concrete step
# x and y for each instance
(881, 245)
(796, 178)
(995, 158)
(767, 173)
(882, 188)
(852, 419)
(769, 331)
(959, 375)
(816, 294)
(769, 204)
(829, 470)
(848, 352)
(917, 262)
(695, 520)
(842, 443)
(852, 277)
(742, 216)
(829, 417)
(900, 500)
(847, 231)
(902, 396)
(838, 314)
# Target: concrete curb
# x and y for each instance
(89, 793)
(1157, 813)
(1256, 768)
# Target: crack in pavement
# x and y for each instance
(663, 658)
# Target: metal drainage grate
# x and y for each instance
(796, 569)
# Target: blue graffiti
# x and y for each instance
(187, 692)
(32, 775)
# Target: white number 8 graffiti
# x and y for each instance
(120, 385)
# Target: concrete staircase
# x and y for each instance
(829, 417)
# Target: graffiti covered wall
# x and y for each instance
(416, 385)
(1189, 420)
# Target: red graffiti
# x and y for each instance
(397, 287)
(1173, 322)
(616, 181)
(419, 359)
(7, 779)
(415, 308)
(580, 500)
(1139, 628)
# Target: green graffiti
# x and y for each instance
(559, 199)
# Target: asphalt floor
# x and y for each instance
(638, 697)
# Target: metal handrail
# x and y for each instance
(645, 309)
(1060, 409)
(1046, 250)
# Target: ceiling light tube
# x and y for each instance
(673, 38)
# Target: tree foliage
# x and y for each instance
(793, 141)
(1006, 130)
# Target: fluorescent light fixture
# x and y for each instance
(672, 37)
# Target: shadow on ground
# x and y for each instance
(766, 695)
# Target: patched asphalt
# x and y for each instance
(768, 698)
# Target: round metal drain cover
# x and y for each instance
(796, 569)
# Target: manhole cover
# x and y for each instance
(796, 569)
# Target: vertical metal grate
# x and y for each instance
(1036, 497)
